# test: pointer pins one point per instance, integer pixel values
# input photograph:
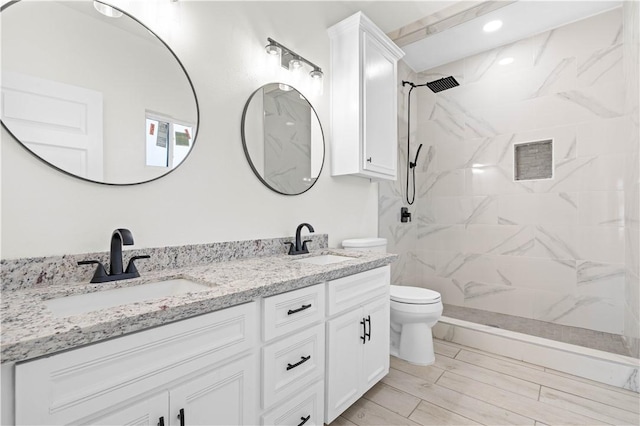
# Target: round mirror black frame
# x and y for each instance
(195, 98)
(246, 150)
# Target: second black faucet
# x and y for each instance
(300, 247)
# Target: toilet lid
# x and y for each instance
(415, 295)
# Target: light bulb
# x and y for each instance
(272, 49)
(295, 63)
(316, 74)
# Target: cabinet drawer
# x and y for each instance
(292, 311)
(75, 384)
(292, 363)
(349, 292)
(306, 406)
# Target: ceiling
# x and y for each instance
(521, 19)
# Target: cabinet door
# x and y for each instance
(344, 359)
(147, 412)
(375, 363)
(225, 395)
(380, 139)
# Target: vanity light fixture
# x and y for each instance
(106, 10)
(492, 26)
(291, 60)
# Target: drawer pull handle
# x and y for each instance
(161, 421)
(303, 359)
(369, 160)
(301, 308)
(304, 420)
(365, 332)
(181, 417)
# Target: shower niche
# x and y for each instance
(364, 140)
(533, 160)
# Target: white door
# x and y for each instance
(344, 362)
(149, 412)
(380, 135)
(59, 122)
(376, 350)
(223, 396)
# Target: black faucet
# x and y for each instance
(120, 237)
(300, 248)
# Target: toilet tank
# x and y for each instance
(366, 244)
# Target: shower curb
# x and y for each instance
(604, 367)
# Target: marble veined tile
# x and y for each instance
(601, 208)
(507, 240)
(601, 243)
(486, 65)
(445, 183)
(538, 209)
(604, 137)
(600, 65)
(581, 37)
(556, 242)
(604, 173)
(464, 210)
(595, 313)
(601, 280)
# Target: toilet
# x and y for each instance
(414, 311)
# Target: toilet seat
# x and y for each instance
(414, 295)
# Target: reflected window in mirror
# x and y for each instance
(283, 139)
(168, 141)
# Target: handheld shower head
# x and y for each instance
(415, 161)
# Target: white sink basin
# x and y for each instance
(325, 259)
(83, 303)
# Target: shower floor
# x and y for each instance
(607, 342)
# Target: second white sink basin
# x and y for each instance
(83, 303)
(325, 259)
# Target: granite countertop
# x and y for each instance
(30, 329)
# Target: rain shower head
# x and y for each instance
(442, 84)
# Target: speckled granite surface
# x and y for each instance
(17, 274)
(30, 330)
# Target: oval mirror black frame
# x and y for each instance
(245, 143)
(188, 79)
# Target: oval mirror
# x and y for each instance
(283, 139)
(94, 93)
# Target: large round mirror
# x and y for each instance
(283, 139)
(93, 92)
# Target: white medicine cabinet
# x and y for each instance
(364, 92)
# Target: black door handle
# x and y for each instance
(304, 420)
(364, 332)
(369, 160)
(161, 421)
(302, 308)
(369, 333)
(181, 417)
(302, 361)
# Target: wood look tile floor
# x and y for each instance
(467, 386)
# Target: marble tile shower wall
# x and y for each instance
(631, 37)
(401, 237)
(551, 250)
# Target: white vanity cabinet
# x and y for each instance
(364, 84)
(293, 357)
(204, 366)
(357, 337)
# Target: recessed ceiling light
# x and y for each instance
(506, 61)
(492, 26)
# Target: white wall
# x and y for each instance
(214, 195)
